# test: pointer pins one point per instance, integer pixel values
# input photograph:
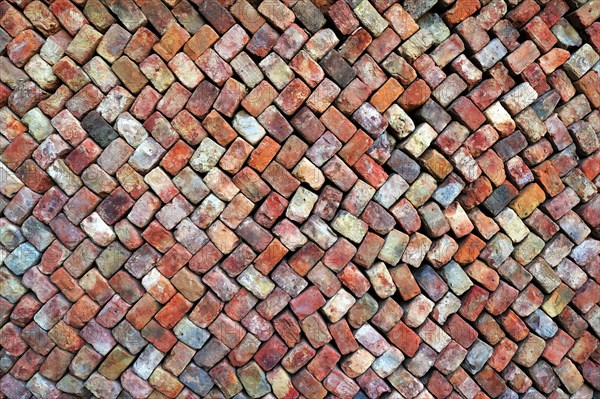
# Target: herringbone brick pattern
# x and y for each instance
(296, 199)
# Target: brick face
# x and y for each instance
(312, 198)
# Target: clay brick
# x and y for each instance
(324, 140)
(414, 95)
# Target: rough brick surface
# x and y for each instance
(299, 199)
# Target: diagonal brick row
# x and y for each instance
(299, 199)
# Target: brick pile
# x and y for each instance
(296, 199)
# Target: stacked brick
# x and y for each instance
(296, 199)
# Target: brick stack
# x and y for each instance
(296, 199)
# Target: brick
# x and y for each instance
(481, 173)
(129, 74)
